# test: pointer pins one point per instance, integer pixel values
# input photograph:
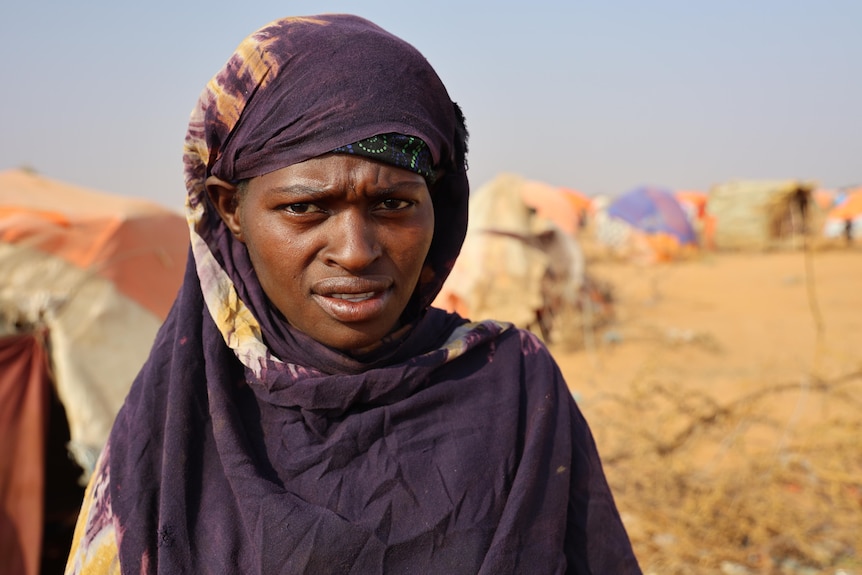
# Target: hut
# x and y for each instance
(763, 214)
(86, 280)
(518, 266)
(844, 219)
(645, 225)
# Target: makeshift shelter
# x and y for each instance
(825, 198)
(515, 265)
(582, 202)
(647, 224)
(763, 214)
(694, 202)
(844, 220)
(86, 279)
(552, 203)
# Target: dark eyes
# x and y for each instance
(394, 204)
(302, 208)
(389, 204)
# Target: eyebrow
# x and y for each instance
(298, 190)
(303, 190)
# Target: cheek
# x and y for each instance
(273, 253)
(412, 247)
(425, 230)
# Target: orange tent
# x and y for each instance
(561, 206)
(582, 202)
(849, 209)
(87, 280)
(824, 198)
(845, 219)
(694, 202)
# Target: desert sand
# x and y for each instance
(726, 400)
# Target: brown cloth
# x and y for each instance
(24, 407)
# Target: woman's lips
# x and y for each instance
(353, 297)
(351, 300)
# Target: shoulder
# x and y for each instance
(502, 356)
(541, 372)
(527, 348)
(513, 353)
(531, 345)
(469, 335)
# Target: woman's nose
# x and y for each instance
(352, 242)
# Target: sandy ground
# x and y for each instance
(726, 400)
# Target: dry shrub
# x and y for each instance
(572, 323)
(731, 487)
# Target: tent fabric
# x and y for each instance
(849, 209)
(99, 338)
(96, 274)
(582, 202)
(100, 272)
(654, 211)
(763, 214)
(24, 407)
(645, 225)
(514, 262)
(561, 206)
(121, 239)
(694, 203)
(846, 214)
(825, 198)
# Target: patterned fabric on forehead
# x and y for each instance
(396, 149)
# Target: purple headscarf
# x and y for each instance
(245, 446)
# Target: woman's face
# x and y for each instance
(338, 243)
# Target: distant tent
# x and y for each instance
(826, 199)
(561, 206)
(763, 214)
(516, 265)
(86, 279)
(694, 203)
(845, 219)
(583, 205)
(647, 223)
(582, 202)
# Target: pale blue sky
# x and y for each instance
(601, 96)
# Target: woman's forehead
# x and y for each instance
(335, 172)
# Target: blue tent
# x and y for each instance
(654, 210)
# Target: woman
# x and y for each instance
(303, 409)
